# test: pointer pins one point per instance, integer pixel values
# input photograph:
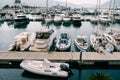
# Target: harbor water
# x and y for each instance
(8, 32)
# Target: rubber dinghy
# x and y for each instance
(63, 42)
(46, 68)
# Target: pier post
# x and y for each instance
(81, 51)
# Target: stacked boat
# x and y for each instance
(63, 42)
(46, 68)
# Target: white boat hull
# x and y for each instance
(79, 46)
(38, 67)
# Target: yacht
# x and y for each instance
(63, 42)
(66, 19)
(100, 44)
(94, 20)
(104, 19)
(43, 40)
(114, 38)
(20, 19)
(76, 18)
(57, 19)
(22, 42)
(48, 19)
(81, 42)
(35, 17)
(118, 19)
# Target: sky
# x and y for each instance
(37, 2)
(83, 1)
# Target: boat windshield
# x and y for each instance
(42, 35)
(63, 41)
(21, 17)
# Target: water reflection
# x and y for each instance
(77, 24)
(21, 26)
(57, 24)
(29, 75)
(10, 23)
(1, 22)
(67, 24)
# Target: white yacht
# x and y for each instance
(104, 19)
(100, 44)
(35, 17)
(20, 19)
(22, 42)
(57, 19)
(63, 42)
(46, 68)
(48, 19)
(76, 18)
(114, 38)
(66, 19)
(94, 20)
(81, 42)
(43, 40)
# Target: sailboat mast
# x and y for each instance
(99, 11)
(66, 4)
(96, 9)
(47, 4)
(113, 9)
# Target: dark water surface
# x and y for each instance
(20, 74)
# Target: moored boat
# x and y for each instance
(22, 42)
(20, 19)
(81, 42)
(63, 42)
(66, 19)
(100, 44)
(46, 68)
(57, 19)
(43, 40)
(76, 19)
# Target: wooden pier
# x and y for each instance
(83, 58)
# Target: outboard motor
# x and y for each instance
(66, 68)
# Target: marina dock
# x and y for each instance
(82, 58)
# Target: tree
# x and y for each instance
(99, 76)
